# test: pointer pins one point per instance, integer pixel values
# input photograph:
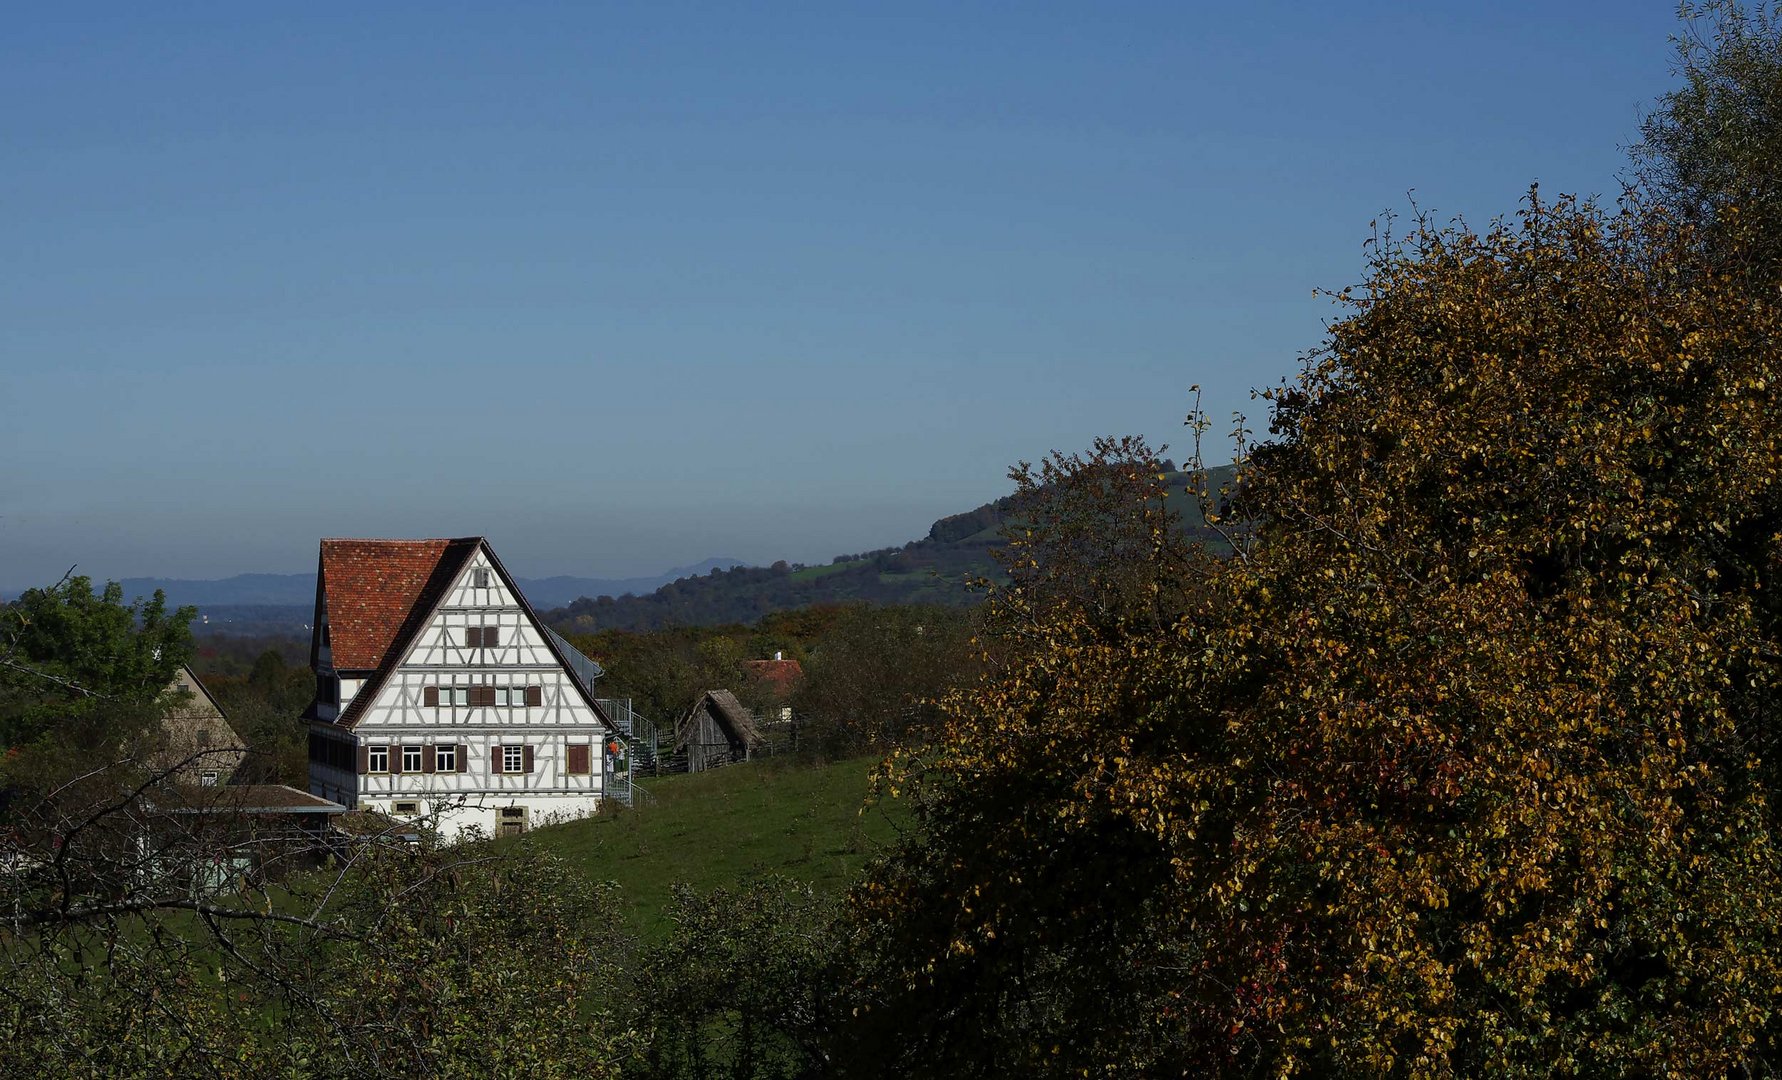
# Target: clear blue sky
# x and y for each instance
(625, 287)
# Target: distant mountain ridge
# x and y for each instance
(933, 570)
(299, 590)
(283, 604)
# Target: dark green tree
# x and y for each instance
(1712, 149)
(83, 673)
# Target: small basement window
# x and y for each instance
(407, 806)
(207, 779)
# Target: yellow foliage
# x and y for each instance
(1463, 764)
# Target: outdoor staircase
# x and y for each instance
(642, 749)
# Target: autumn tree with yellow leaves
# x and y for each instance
(1464, 764)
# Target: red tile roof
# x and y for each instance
(781, 677)
(374, 587)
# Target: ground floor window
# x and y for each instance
(445, 758)
(513, 759)
(377, 759)
(411, 759)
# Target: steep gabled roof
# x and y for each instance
(393, 588)
(738, 723)
(376, 588)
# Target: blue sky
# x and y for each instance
(625, 287)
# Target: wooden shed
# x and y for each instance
(716, 731)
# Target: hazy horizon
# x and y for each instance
(623, 289)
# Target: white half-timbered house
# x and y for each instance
(439, 693)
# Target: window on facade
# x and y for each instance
(460, 695)
(482, 637)
(578, 760)
(480, 578)
(513, 759)
(207, 779)
(411, 759)
(377, 759)
(408, 806)
(445, 758)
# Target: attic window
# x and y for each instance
(479, 578)
(482, 637)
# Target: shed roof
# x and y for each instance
(738, 723)
(248, 799)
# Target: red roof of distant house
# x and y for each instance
(374, 587)
(782, 676)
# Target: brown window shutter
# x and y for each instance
(427, 759)
(495, 759)
(395, 759)
(482, 695)
(462, 757)
(529, 758)
(473, 636)
(535, 695)
(578, 760)
(430, 697)
(364, 759)
(491, 636)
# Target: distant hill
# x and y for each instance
(283, 604)
(932, 570)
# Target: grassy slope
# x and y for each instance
(721, 827)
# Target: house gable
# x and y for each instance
(473, 652)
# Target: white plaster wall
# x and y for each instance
(549, 775)
(457, 819)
